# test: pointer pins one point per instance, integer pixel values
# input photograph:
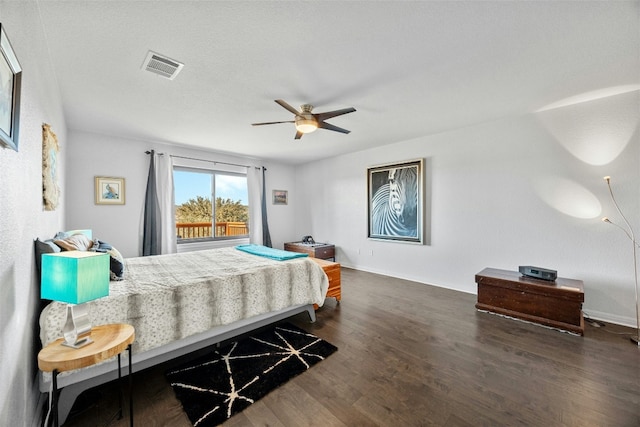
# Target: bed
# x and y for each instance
(184, 302)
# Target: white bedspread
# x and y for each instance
(169, 297)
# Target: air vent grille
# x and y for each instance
(161, 65)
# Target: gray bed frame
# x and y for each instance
(72, 384)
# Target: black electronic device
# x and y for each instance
(308, 240)
(538, 273)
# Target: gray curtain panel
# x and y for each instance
(151, 234)
(266, 237)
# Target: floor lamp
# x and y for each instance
(635, 339)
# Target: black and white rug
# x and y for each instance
(229, 379)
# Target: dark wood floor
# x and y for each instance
(414, 355)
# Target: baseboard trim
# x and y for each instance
(611, 318)
(409, 278)
(593, 314)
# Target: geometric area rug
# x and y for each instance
(224, 382)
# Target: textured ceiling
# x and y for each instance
(409, 68)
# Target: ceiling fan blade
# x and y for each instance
(328, 126)
(329, 114)
(271, 123)
(298, 135)
(287, 106)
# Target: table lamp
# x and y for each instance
(75, 277)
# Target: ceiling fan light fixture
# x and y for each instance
(306, 121)
(306, 125)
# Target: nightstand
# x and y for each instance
(332, 270)
(108, 341)
(316, 250)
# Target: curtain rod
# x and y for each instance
(210, 161)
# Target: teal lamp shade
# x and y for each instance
(74, 277)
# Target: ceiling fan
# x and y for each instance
(307, 122)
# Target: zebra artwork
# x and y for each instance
(394, 205)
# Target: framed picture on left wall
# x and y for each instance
(109, 191)
(10, 87)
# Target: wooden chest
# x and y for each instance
(557, 304)
(316, 250)
(332, 270)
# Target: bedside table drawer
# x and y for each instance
(332, 270)
(325, 252)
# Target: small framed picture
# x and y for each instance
(280, 197)
(109, 191)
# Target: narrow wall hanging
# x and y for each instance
(50, 188)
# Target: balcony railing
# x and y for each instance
(200, 230)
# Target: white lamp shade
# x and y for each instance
(74, 277)
(306, 125)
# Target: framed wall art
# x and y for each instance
(109, 191)
(50, 188)
(10, 87)
(280, 197)
(395, 201)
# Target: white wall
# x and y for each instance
(22, 218)
(93, 155)
(518, 191)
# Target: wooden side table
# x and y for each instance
(108, 341)
(332, 270)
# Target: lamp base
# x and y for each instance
(79, 344)
(77, 329)
(635, 340)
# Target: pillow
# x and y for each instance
(116, 265)
(77, 242)
(61, 235)
(46, 247)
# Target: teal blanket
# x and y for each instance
(277, 254)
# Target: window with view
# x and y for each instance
(210, 205)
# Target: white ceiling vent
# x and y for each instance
(161, 65)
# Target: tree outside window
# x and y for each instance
(195, 214)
